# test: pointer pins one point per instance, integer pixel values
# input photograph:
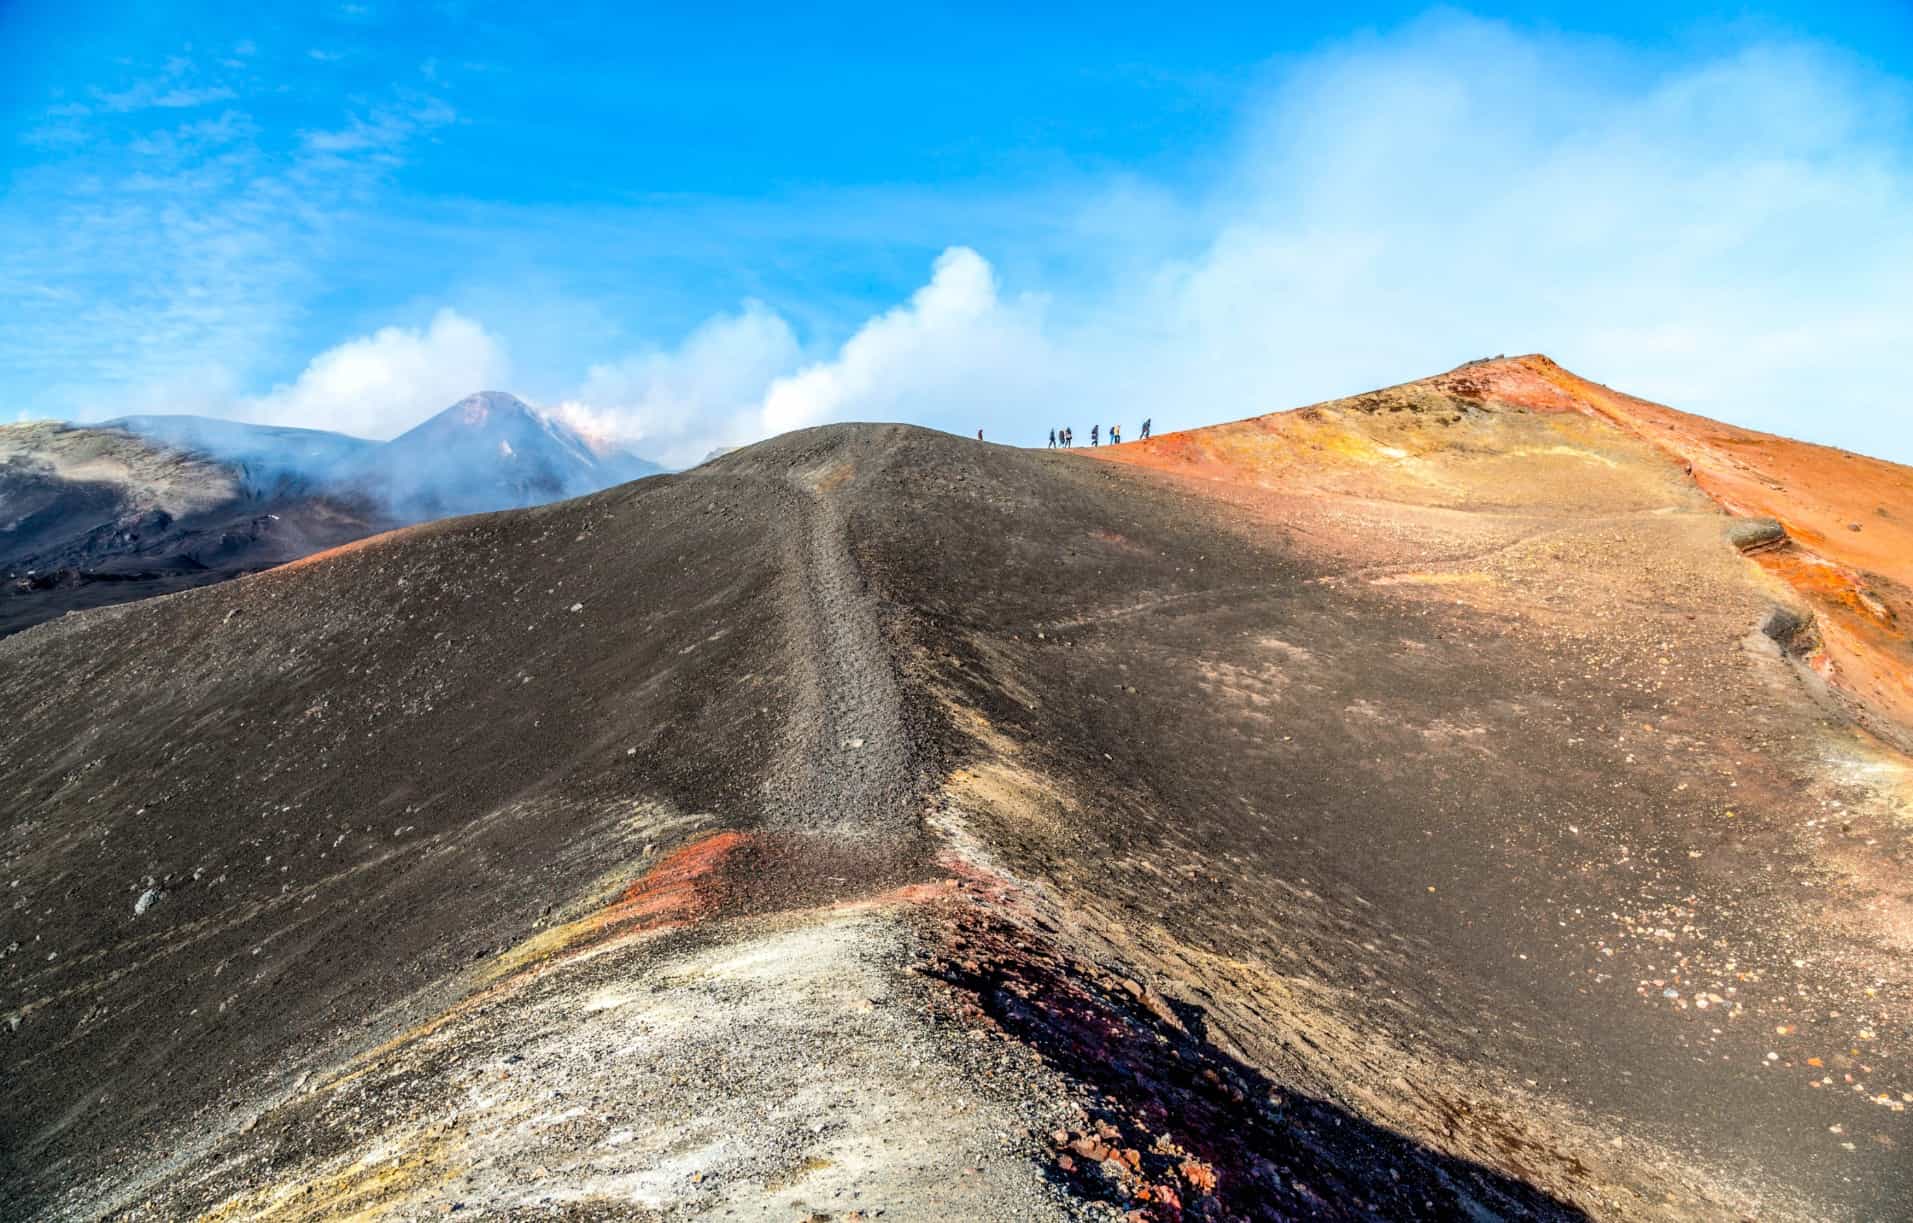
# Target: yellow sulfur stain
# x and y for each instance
(367, 1188)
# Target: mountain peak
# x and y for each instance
(477, 410)
(491, 415)
(489, 450)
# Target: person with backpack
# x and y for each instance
(1052, 439)
(1092, 434)
(1145, 429)
(1115, 435)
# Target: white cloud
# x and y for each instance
(152, 95)
(382, 384)
(956, 354)
(380, 130)
(957, 351)
(674, 406)
(1733, 236)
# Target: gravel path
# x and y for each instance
(850, 772)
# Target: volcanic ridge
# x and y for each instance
(1486, 797)
(146, 505)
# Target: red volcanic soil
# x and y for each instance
(344, 549)
(678, 888)
(1820, 494)
(1849, 523)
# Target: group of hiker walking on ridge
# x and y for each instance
(1066, 437)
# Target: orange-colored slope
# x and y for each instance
(1846, 507)
(1849, 521)
(1515, 433)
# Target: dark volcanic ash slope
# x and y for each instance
(431, 768)
(95, 516)
(1405, 816)
(1440, 759)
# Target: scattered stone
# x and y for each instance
(1089, 1148)
(1790, 630)
(1756, 534)
(1200, 1176)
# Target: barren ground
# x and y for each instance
(1393, 808)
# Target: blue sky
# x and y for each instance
(685, 231)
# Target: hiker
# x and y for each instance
(979, 435)
(1145, 429)
(1052, 439)
(1092, 434)
(1115, 435)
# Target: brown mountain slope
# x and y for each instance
(1392, 809)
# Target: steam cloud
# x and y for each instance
(380, 385)
(675, 406)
